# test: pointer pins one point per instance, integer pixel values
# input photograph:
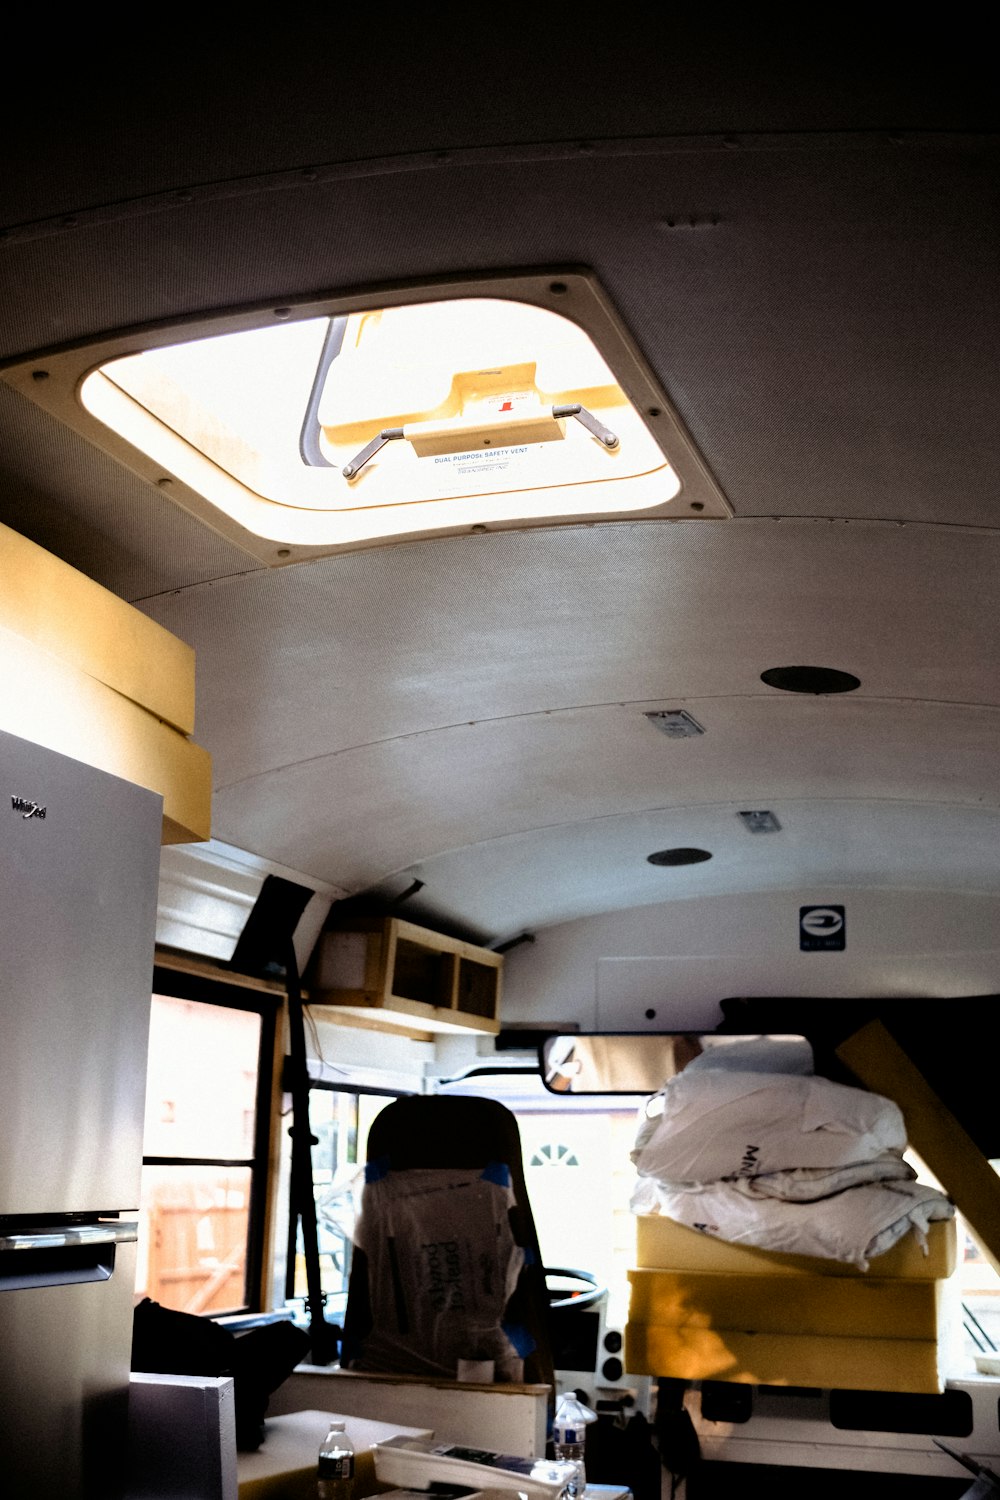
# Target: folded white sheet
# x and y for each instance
(791, 1163)
(856, 1225)
(717, 1123)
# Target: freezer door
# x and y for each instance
(79, 868)
(66, 1338)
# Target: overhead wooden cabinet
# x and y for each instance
(89, 676)
(407, 975)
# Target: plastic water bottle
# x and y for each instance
(569, 1439)
(336, 1465)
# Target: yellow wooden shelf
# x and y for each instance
(831, 1306)
(831, 1363)
(89, 676)
(66, 614)
(54, 704)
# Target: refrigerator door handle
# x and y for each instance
(105, 1232)
(62, 1258)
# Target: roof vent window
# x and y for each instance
(500, 401)
(392, 419)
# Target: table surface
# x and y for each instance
(284, 1467)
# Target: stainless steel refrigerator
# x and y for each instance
(79, 862)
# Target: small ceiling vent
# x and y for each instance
(675, 723)
(760, 822)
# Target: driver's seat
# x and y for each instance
(459, 1133)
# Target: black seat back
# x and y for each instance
(456, 1132)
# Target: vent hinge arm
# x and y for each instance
(588, 420)
(388, 434)
(369, 451)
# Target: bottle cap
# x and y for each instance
(572, 1413)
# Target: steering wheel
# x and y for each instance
(591, 1290)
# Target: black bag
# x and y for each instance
(165, 1342)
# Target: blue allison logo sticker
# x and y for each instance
(822, 929)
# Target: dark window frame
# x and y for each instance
(177, 984)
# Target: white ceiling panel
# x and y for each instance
(311, 660)
(353, 817)
(799, 241)
(554, 875)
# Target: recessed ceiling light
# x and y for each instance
(678, 857)
(810, 680)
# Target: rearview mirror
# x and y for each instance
(641, 1062)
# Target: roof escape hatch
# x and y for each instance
(455, 379)
(496, 403)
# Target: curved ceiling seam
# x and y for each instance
(426, 864)
(685, 808)
(138, 600)
(184, 195)
(888, 523)
(838, 884)
(675, 700)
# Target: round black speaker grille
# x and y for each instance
(678, 856)
(810, 680)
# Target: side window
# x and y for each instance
(580, 1178)
(205, 1146)
(340, 1119)
(980, 1309)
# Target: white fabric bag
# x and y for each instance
(717, 1123)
